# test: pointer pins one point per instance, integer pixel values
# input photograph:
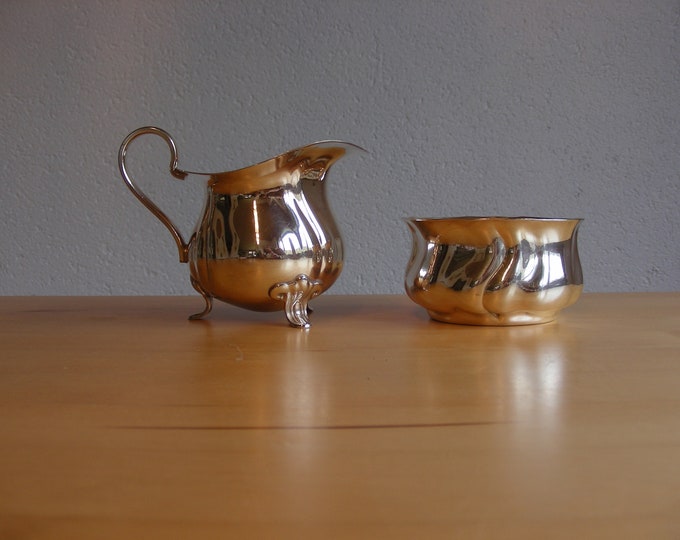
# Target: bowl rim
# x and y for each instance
(490, 218)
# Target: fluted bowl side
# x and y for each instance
(494, 270)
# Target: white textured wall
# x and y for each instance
(516, 107)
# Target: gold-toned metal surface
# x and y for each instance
(494, 270)
(267, 239)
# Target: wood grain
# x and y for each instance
(121, 419)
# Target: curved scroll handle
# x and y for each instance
(182, 246)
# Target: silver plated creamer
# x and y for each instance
(494, 270)
(266, 240)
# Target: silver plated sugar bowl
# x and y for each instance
(494, 270)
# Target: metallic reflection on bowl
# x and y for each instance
(494, 270)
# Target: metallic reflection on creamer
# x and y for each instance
(494, 270)
(267, 239)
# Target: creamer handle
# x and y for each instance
(182, 246)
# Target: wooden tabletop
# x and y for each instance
(121, 419)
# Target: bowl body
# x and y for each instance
(494, 270)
